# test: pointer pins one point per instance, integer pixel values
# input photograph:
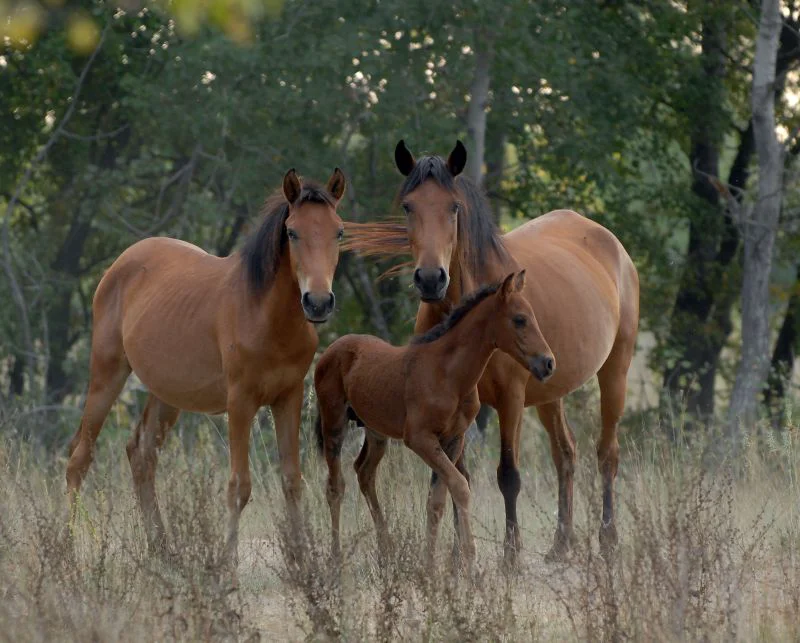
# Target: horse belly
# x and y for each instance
(181, 367)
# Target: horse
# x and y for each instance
(425, 394)
(584, 288)
(213, 335)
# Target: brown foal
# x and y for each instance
(215, 335)
(583, 286)
(425, 394)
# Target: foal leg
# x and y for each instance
(427, 446)
(333, 430)
(156, 421)
(612, 378)
(562, 449)
(456, 553)
(366, 467)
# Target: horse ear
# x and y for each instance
(403, 158)
(336, 184)
(457, 159)
(291, 186)
(519, 281)
(508, 286)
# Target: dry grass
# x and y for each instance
(703, 555)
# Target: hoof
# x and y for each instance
(562, 545)
(608, 540)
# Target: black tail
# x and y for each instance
(318, 431)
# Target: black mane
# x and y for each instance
(263, 249)
(478, 236)
(467, 303)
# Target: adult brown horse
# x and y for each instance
(211, 335)
(425, 394)
(582, 285)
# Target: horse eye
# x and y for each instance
(340, 235)
(406, 208)
(520, 321)
(456, 207)
(291, 234)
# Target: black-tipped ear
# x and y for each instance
(508, 286)
(457, 159)
(519, 281)
(403, 158)
(291, 186)
(336, 184)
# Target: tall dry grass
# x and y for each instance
(706, 552)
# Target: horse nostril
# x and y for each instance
(331, 301)
(417, 276)
(549, 365)
(305, 300)
(442, 275)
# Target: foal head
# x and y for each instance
(302, 218)
(516, 332)
(447, 219)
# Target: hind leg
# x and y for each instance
(612, 378)
(333, 419)
(156, 421)
(562, 449)
(456, 554)
(366, 467)
(108, 371)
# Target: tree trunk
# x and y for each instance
(712, 246)
(760, 230)
(782, 365)
(476, 113)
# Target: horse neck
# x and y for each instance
(464, 281)
(467, 347)
(277, 311)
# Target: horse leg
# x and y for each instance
(426, 446)
(286, 412)
(241, 411)
(156, 421)
(456, 554)
(108, 372)
(562, 450)
(366, 467)
(612, 378)
(510, 408)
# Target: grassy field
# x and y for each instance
(704, 554)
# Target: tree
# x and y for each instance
(760, 229)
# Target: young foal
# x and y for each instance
(425, 394)
(215, 335)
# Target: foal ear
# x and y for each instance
(457, 159)
(519, 281)
(403, 159)
(291, 186)
(336, 184)
(508, 285)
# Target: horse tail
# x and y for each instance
(318, 430)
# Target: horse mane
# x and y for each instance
(478, 236)
(262, 250)
(467, 303)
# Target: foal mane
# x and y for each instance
(467, 303)
(262, 250)
(478, 236)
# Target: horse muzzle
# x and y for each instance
(431, 283)
(542, 367)
(318, 307)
